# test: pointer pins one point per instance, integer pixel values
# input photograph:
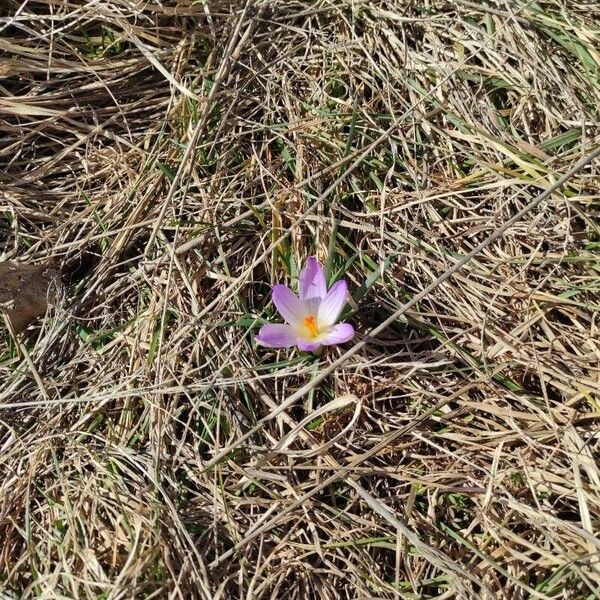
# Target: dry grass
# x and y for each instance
(178, 157)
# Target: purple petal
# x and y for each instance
(277, 336)
(312, 280)
(338, 334)
(333, 303)
(308, 346)
(288, 305)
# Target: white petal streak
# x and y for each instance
(333, 304)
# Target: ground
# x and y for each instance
(174, 160)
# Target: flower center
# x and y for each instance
(311, 325)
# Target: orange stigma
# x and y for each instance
(311, 324)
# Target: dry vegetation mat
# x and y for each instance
(173, 160)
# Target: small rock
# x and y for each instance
(25, 291)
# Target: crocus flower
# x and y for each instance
(310, 319)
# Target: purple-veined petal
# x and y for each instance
(308, 346)
(277, 336)
(333, 303)
(288, 305)
(338, 334)
(312, 280)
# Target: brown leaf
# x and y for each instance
(25, 291)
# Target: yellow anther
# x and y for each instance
(311, 324)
